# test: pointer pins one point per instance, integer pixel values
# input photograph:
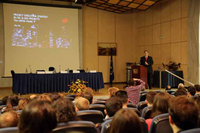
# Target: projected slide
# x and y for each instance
(41, 37)
(27, 35)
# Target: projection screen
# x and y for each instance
(41, 37)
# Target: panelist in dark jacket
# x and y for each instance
(147, 61)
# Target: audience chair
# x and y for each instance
(170, 91)
(71, 95)
(130, 105)
(100, 102)
(76, 127)
(160, 124)
(141, 105)
(143, 97)
(70, 98)
(9, 130)
(143, 92)
(144, 125)
(146, 112)
(102, 99)
(99, 107)
(195, 130)
(136, 111)
(94, 116)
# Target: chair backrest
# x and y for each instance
(106, 125)
(76, 127)
(70, 98)
(9, 130)
(94, 116)
(170, 91)
(146, 112)
(130, 105)
(71, 95)
(160, 124)
(195, 130)
(143, 96)
(141, 105)
(99, 107)
(100, 102)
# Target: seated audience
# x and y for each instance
(112, 106)
(197, 89)
(150, 97)
(37, 117)
(191, 91)
(183, 114)
(133, 90)
(88, 96)
(181, 92)
(22, 103)
(9, 119)
(61, 95)
(8, 107)
(125, 121)
(112, 91)
(160, 106)
(81, 104)
(4, 100)
(44, 97)
(65, 110)
(88, 90)
(122, 95)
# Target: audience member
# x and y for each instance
(88, 96)
(180, 85)
(180, 92)
(160, 106)
(150, 97)
(22, 103)
(197, 89)
(44, 97)
(81, 103)
(191, 91)
(167, 88)
(37, 117)
(4, 100)
(183, 114)
(125, 121)
(14, 100)
(112, 106)
(133, 90)
(54, 96)
(112, 91)
(9, 119)
(88, 90)
(65, 110)
(33, 97)
(122, 95)
(8, 107)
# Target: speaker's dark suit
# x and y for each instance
(149, 60)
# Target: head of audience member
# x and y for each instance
(22, 103)
(160, 103)
(180, 85)
(61, 95)
(88, 90)
(122, 95)
(197, 88)
(112, 106)
(112, 91)
(9, 119)
(167, 88)
(125, 121)
(180, 92)
(14, 100)
(88, 96)
(191, 91)
(44, 97)
(8, 107)
(81, 103)
(183, 114)
(54, 96)
(150, 97)
(37, 117)
(33, 97)
(131, 82)
(65, 110)
(4, 100)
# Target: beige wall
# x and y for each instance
(162, 30)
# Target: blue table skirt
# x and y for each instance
(45, 83)
(167, 79)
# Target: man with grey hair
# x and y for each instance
(81, 103)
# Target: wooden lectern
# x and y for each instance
(140, 72)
